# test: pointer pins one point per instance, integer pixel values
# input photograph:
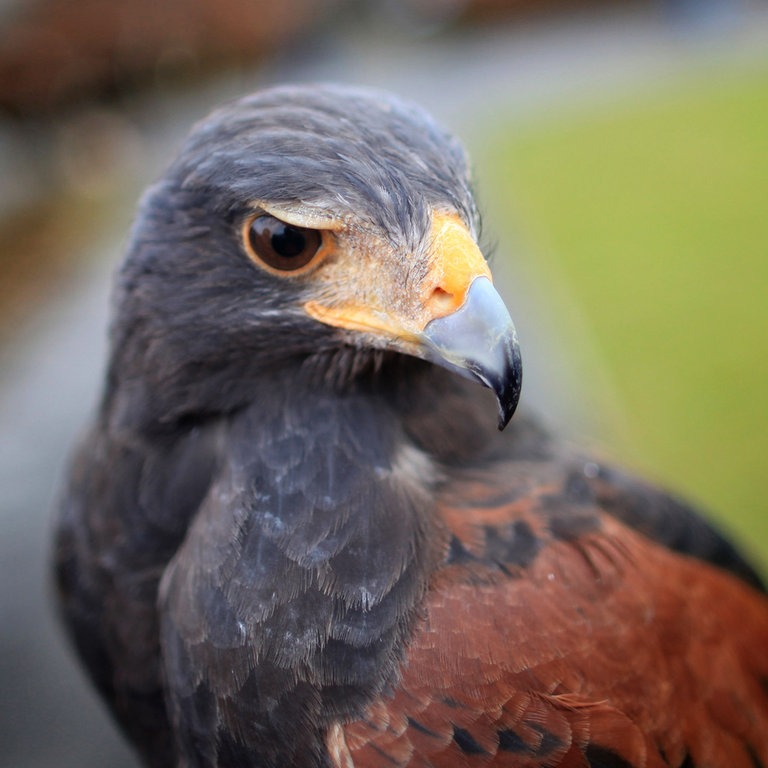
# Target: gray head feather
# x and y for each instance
(360, 153)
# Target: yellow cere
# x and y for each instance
(455, 262)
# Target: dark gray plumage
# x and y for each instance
(202, 374)
(254, 532)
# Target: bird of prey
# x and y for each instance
(294, 534)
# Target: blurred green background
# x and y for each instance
(644, 219)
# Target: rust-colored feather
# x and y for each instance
(598, 649)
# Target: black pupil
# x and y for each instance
(288, 241)
(282, 246)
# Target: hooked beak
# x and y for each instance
(479, 341)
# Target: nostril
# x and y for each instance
(441, 300)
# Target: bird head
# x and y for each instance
(300, 221)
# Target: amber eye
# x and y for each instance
(279, 245)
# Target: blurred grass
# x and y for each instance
(651, 211)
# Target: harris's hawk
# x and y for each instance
(294, 535)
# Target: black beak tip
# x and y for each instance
(505, 382)
(507, 390)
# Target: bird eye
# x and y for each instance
(281, 246)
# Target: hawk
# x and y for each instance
(294, 534)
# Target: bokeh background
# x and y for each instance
(621, 155)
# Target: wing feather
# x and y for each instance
(561, 633)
